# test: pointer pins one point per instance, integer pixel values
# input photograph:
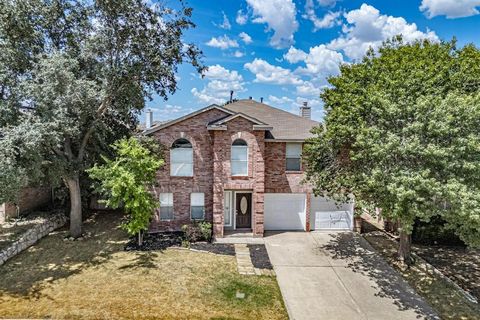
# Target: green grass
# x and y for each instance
(96, 279)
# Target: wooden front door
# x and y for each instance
(243, 210)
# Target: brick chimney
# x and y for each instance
(149, 119)
(305, 110)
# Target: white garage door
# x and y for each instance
(285, 211)
(325, 214)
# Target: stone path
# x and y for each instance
(244, 262)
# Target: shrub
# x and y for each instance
(197, 232)
(206, 230)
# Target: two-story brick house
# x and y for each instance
(239, 166)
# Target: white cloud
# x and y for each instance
(220, 73)
(223, 42)
(169, 111)
(203, 96)
(450, 8)
(241, 18)
(267, 73)
(295, 55)
(327, 3)
(281, 100)
(322, 62)
(220, 82)
(329, 20)
(308, 89)
(366, 28)
(280, 16)
(225, 24)
(245, 37)
(238, 54)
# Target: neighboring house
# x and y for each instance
(29, 199)
(239, 166)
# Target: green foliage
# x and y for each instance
(201, 231)
(126, 181)
(401, 133)
(74, 76)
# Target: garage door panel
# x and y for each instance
(284, 211)
(326, 214)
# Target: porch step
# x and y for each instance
(238, 234)
(239, 240)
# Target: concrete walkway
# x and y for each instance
(339, 276)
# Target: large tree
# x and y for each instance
(74, 74)
(402, 133)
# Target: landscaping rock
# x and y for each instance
(32, 235)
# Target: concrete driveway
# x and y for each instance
(339, 276)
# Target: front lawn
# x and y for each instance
(96, 279)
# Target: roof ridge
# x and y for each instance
(271, 107)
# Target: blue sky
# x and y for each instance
(283, 50)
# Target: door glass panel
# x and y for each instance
(243, 205)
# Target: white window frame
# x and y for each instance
(287, 156)
(169, 204)
(239, 161)
(172, 152)
(196, 205)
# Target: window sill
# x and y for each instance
(240, 177)
(181, 177)
(293, 171)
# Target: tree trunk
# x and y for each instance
(404, 249)
(73, 184)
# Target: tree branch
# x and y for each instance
(100, 111)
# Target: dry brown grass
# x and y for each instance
(440, 294)
(96, 279)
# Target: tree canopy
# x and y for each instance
(402, 133)
(74, 75)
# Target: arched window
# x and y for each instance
(239, 158)
(181, 158)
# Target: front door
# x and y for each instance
(243, 210)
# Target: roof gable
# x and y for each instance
(285, 125)
(185, 117)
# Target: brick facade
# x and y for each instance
(29, 199)
(212, 173)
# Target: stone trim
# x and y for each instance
(32, 235)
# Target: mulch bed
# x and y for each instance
(259, 256)
(164, 240)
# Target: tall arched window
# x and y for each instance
(239, 158)
(181, 158)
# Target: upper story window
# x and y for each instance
(239, 158)
(294, 156)
(181, 158)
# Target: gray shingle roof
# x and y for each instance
(286, 125)
(280, 124)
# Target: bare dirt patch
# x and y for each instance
(440, 294)
(460, 264)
